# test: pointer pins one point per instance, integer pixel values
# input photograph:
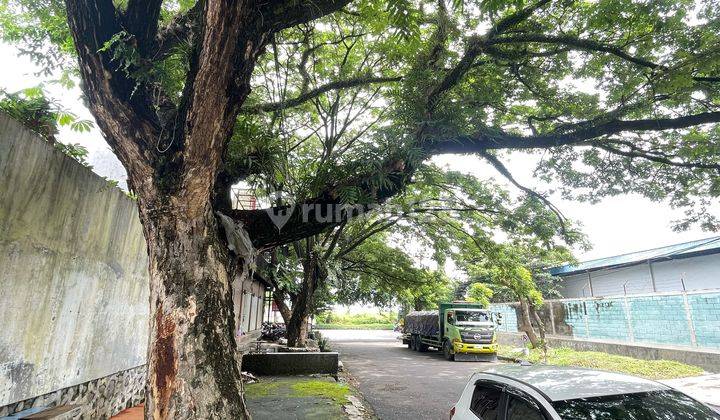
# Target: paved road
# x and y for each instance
(705, 388)
(400, 383)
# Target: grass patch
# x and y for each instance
(362, 321)
(314, 388)
(650, 369)
(298, 388)
(355, 326)
(261, 389)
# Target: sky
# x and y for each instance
(614, 226)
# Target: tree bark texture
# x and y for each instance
(193, 365)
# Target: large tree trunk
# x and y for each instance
(295, 325)
(285, 311)
(297, 329)
(541, 328)
(525, 325)
(193, 366)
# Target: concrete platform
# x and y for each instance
(291, 363)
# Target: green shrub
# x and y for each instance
(331, 318)
(32, 109)
(355, 326)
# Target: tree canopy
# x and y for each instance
(617, 96)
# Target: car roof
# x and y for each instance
(565, 383)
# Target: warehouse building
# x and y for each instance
(688, 266)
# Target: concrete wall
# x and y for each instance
(509, 319)
(687, 319)
(73, 271)
(696, 273)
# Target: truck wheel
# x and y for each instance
(447, 351)
(413, 342)
(422, 347)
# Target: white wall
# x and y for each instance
(702, 272)
(697, 272)
(245, 318)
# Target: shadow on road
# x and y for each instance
(400, 383)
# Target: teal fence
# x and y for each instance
(690, 319)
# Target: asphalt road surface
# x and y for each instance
(400, 383)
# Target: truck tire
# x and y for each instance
(413, 342)
(422, 347)
(447, 351)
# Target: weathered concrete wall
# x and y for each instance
(73, 272)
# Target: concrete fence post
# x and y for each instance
(585, 318)
(552, 317)
(628, 318)
(688, 316)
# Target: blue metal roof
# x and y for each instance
(699, 247)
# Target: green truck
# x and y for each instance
(461, 330)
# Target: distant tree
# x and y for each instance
(480, 293)
(517, 272)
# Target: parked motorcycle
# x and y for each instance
(272, 331)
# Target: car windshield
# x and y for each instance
(472, 317)
(653, 405)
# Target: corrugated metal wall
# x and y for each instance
(695, 273)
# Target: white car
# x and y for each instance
(536, 392)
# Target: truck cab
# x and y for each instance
(468, 331)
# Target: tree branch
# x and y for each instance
(230, 39)
(578, 43)
(141, 20)
(514, 19)
(636, 152)
(363, 237)
(180, 29)
(279, 15)
(122, 109)
(335, 237)
(475, 47)
(589, 45)
(487, 140)
(299, 225)
(503, 170)
(314, 93)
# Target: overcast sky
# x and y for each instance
(617, 225)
